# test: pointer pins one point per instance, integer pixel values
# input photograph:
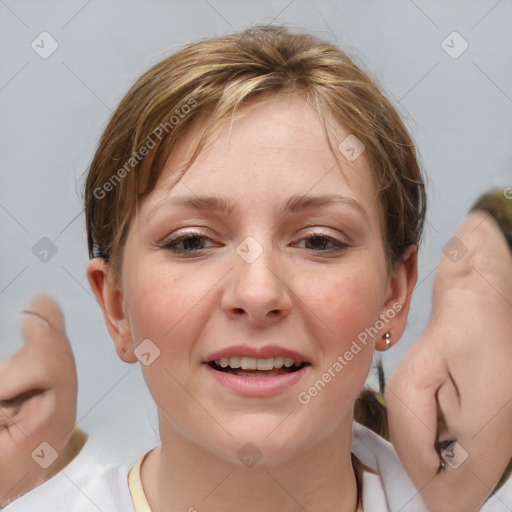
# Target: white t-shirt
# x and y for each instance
(391, 489)
(85, 485)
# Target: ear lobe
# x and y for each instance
(111, 299)
(398, 299)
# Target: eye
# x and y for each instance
(14, 405)
(194, 242)
(185, 243)
(319, 242)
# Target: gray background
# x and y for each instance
(53, 111)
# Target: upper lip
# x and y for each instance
(265, 352)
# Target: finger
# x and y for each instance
(46, 359)
(47, 310)
(44, 329)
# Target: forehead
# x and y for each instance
(276, 148)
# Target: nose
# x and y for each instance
(257, 291)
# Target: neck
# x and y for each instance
(182, 476)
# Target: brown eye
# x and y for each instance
(15, 404)
(322, 243)
(190, 243)
(440, 446)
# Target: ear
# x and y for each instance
(398, 298)
(111, 300)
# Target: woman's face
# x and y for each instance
(293, 268)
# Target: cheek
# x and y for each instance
(345, 303)
(163, 307)
(166, 306)
(344, 309)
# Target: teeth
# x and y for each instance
(252, 363)
(235, 362)
(278, 362)
(265, 364)
(249, 363)
(255, 374)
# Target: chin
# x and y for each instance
(262, 443)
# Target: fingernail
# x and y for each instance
(26, 311)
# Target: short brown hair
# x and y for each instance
(215, 77)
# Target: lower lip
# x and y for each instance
(257, 386)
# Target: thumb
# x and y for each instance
(44, 323)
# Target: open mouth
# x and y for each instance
(252, 367)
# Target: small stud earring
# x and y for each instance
(387, 339)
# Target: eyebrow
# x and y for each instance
(294, 204)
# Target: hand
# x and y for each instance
(38, 390)
(455, 384)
